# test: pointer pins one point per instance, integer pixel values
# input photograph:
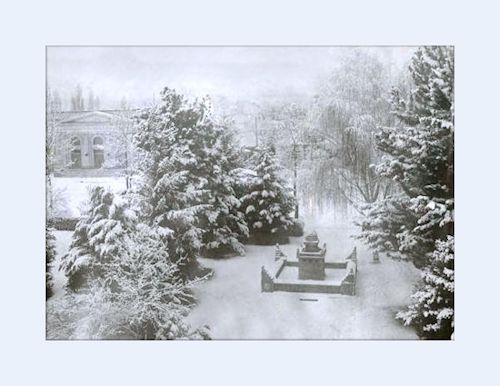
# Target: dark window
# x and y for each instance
(75, 153)
(98, 143)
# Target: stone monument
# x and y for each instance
(315, 275)
(311, 259)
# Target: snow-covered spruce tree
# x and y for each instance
(432, 312)
(97, 239)
(269, 203)
(224, 225)
(419, 157)
(185, 164)
(50, 254)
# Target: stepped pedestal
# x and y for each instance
(311, 259)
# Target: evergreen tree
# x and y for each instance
(268, 204)
(223, 223)
(91, 100)
(50, 254)
(124, 105)
(432, 312)
(185, 160)
(168, 141)
(418, 156)
(57, 102)
(77, 99)
(98, 238)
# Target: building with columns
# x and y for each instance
(92, 142)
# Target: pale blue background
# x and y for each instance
(28, 359)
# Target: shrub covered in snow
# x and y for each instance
(102, 314)
(268, 202)
(297, 228)
(63, 223)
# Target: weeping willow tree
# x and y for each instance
(351, 104)
(344, 169)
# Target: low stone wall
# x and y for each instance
(347, 286)
(308, 288)
(268, 276)
(336, 264)
(328, 264)
(266, 281)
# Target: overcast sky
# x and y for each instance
(138, 73)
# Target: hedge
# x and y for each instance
(62, 223)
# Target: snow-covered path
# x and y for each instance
(233, 306)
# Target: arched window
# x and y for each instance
(75, 153)
(98, 147)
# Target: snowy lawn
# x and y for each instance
(72, 192)
(234, 307)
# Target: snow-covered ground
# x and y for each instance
(71, 192)
(233, 306)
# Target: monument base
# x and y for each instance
(311, 268)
